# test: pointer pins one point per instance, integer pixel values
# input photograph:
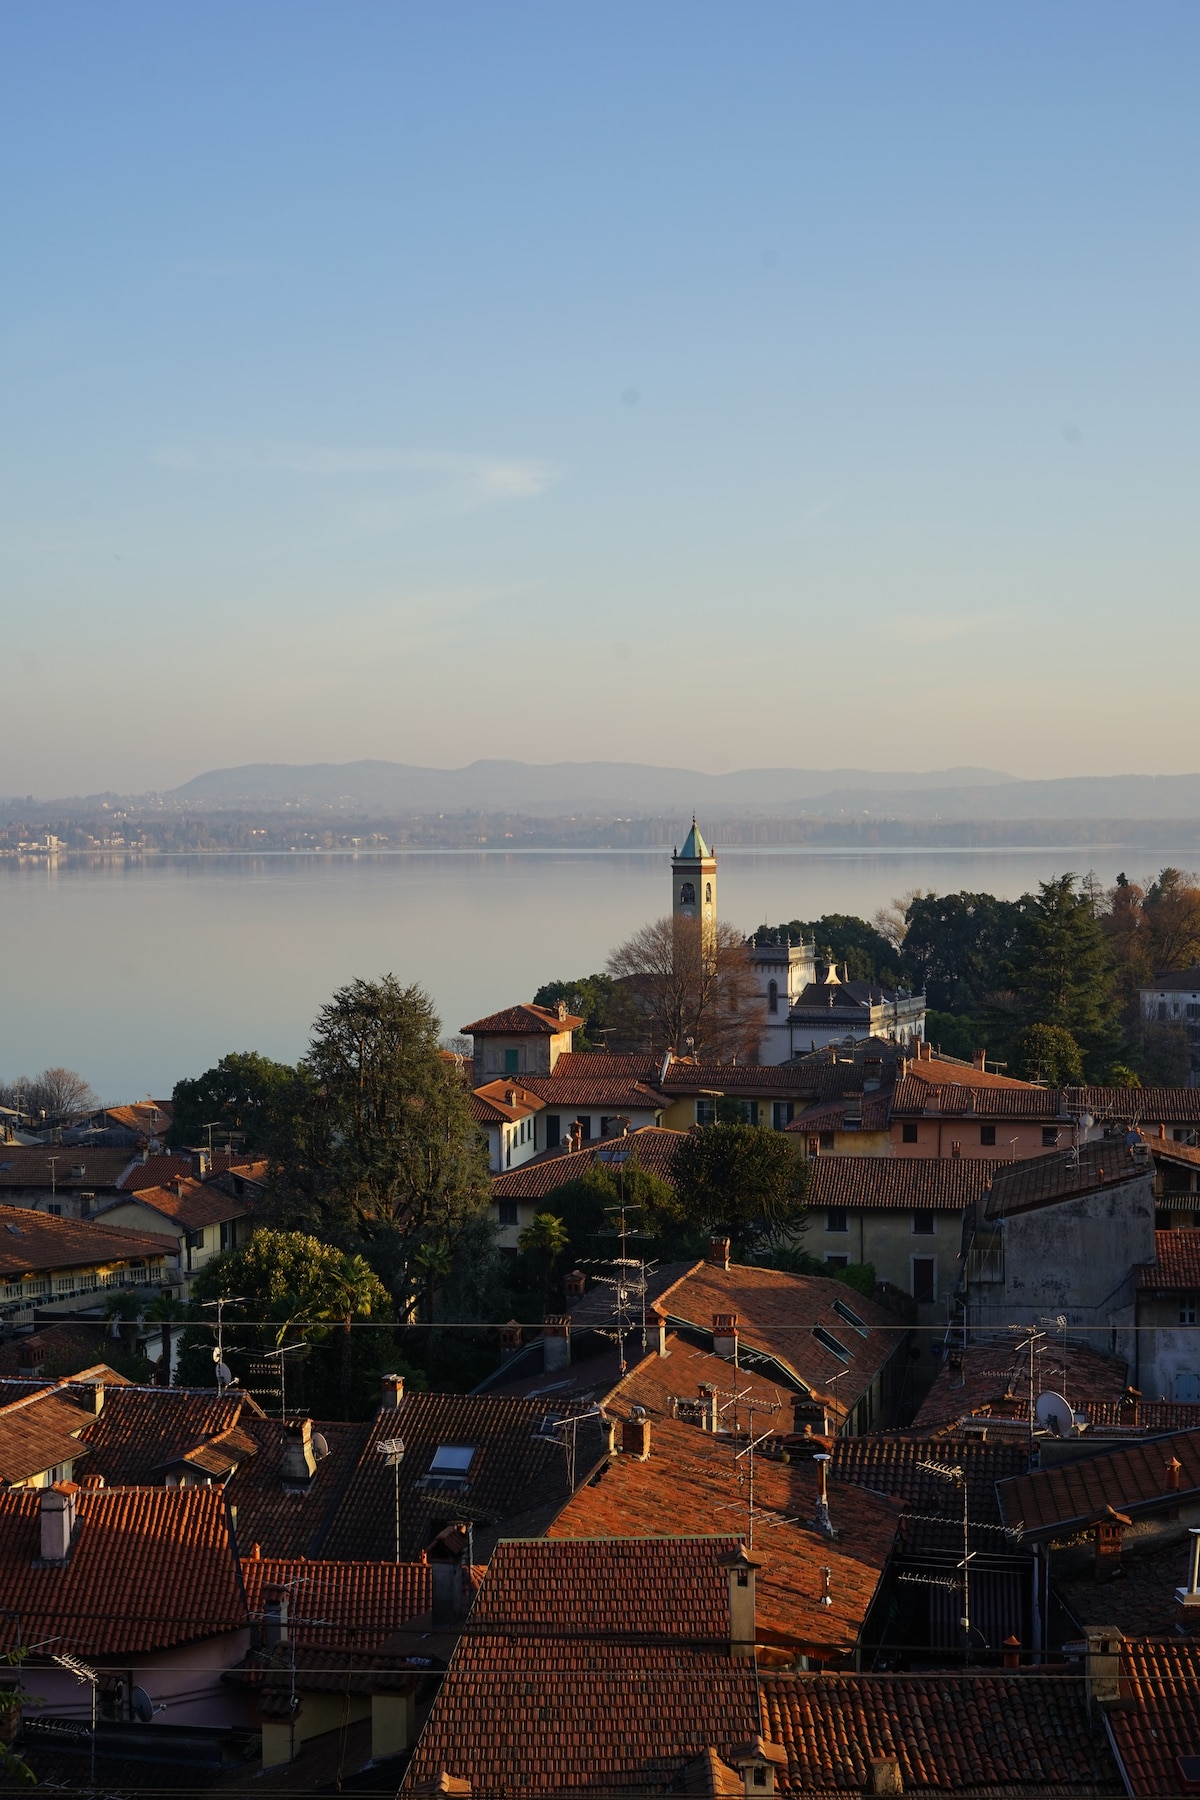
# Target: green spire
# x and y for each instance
(694, 846)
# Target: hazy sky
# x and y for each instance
(704, 384)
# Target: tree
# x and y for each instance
(1047, 1053)
(386, 1144)
(12, 1699)
(597, 1000)
(354, 1294)
(692, 989)
(741, 1179)
(847, 941)
(543, 1241)
(957, 948)
(57, 1092)
(246, 1096)
(167, 1311)
(1060, 972)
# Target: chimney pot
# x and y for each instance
(393, 1390)
(740, 1569)
(575, 1284)
(885, 1776)
(1173, 1468)
(1103, 1662)
(97, 1398)
(725, 1335)
(1012, 1652)
(979, 1059)
(718, 1252)
(299, 1463)
(57, 1517)
(635, 1438)
(511, 1337)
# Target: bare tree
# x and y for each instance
(59, 1092)
(891, 921)
(692, 989)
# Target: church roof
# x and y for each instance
(694, 847)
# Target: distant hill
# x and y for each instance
(634, 788)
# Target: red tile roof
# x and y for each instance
(367, 1602)
(916, 1097)
(292, 1521)
(871, 1113)
(1176, 1263)
(32, 1241)
(161, 1170)
(140, 1432)
(1141, 1603)
(505, 1101)
(38, 1432)
(545, 1021)
(1135, 1479)
(991, 1379)
(1137, 1106)
(963, 1733)
(933, 1505)
(1163, 1724)
(1047, 1180)
(568, 1088)
(149, 1568)
(778, 1314)
(652, 1148)
(941, 1070)
(29, 1166)
(190, 1207)
(900, 1183)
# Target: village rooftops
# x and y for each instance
(988, 1384)
(147, 1569)
(39, 1432)
(351, 1605)
(503, 1102)
(187, 1204)
(32, 1241)
(1155, 1731)
(900, 1183)
(899, 1468)
(1150, 1476)
(541, 1021)
(61, 1167)
(916, 1096)
(1064, 1175)
(651, 1148)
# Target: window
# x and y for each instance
(772, 996)
(922, 1224)
(987, 1134)
(708, 893)
(909, 1134)
(836, 1219)
(1049, 1136)
(782, 1113)
(687, 894)
(54, 1207)
(1187, 1309)
(706, 1111)
(553, 1131)
(825, 1140)
(507, 1151)
(836, 1259)
(451, 1462)
(828, 1342)
(924, 1280)
(227, 1234)
(1162, 1011)
(508, 1212)
(512, 1062)
(850, 1316)
(195, 1240)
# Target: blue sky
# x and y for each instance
(699, 384)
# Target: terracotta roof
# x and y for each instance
(652, 1147)
(569, 1088)
(144, 1115)
(572, 1673)
(915, 1097)
(787, 1081)
(516, 1471)
(38, 1432)
(35, 1240)
(1176, 1262)
(900, 1183)
(1136, 1478)
(1141, 1602)
(871, 1113)
(544, 1021)
(778, 1315)
(1046, 1180)
(503, 1100)
(692, 1484)
(367, 1601)
(29, 1166)
(1163, 1723)
(190, 1207)
(1136, 1106)
(140, 1432)
(292, 1521)
(75, 1345)
(149, 1568)
(948, 1069)
(963, 1733)
(161, 1170)
(991, 1379)
(933, 1506)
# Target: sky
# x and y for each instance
(706, 385)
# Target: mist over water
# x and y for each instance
(138, 973)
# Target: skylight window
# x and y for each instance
(828, 1342)
(850, 1316)
(451, 1462)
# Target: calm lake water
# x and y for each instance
(139, 973)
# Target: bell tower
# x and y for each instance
(694, 882)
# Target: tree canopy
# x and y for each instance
(691, 988)
(741, 1179)
(245, 1097)
(848, 941)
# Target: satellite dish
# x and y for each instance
(1055, 1415)
(224, 1375)
(320, 1446)
(141, 1706)
(216, 1355)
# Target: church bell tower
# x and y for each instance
(694, 882)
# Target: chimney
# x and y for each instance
(57, 1513)
(97, 1398)
(299, 1463)
(511, 1337)
(718, 1252)
(725, 1336)
(392, 1391)
(979, 1060)
(756, 1763)
(609, 1427)
(575, 1285)
(449, 1595)
(1189, 1596)
(179, 1187)
(708, 1407)
(660, 1338)
(821, 1520)
(743, 1630)
(1012, 1652)
(1172, 1475)
(31, 1359)
(1102, 1663)
(1108, 1544)
(884, 1777)
(635, 1437)
(275, 1621)
(556, 1342)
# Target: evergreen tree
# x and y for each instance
(1061, 973)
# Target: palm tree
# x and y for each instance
(168, 1311)
(123, 1309)
(544, 1241)
(356, 1288)
(434, 1262)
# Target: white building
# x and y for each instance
(1174, 998)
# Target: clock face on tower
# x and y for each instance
(688, 912)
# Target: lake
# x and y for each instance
(137, 973)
